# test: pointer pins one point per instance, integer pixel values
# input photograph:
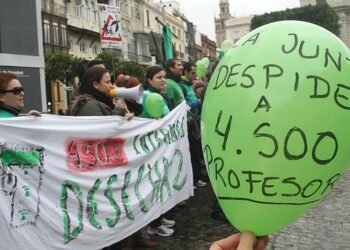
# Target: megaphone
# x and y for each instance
(134, 93)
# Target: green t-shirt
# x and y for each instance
(174, 92)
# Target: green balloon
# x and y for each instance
(275, 124)
(201, 68)
(154, 105)
(226, 45)
(206, 61)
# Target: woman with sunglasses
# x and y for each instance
(12, 96)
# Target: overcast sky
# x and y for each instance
(201, 12)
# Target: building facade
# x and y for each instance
(21, 49)
(54, 23)
(83, 28)
(342, 7)
(173, 17)
(139, 19)
(208, 48)
(228, 27)
(220, 22)
(191, 41)
(236, 28)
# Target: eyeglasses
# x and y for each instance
(15, 91)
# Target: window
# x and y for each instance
(82, 47)
(55, 34)
(47, 36)
(48, 5)
(124, 7)
(95, 50)
(77, 10)
(147, 14)
(94, 11)
(321, 2)
(64, 35)
(70, 42)
(137, 12)
(235, 36)
(88, 12)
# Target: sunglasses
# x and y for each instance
(15, 91)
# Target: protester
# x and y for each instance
(173, 68)
(244, 241)
(155, 83)
(94, 99)
(97, 62)
(12, 97)
(187, 80)
(126, 81)
(121, 79)
(198, 87)
(60, 112)
(194, 133)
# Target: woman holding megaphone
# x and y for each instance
(94, 98)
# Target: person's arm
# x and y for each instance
(243, 241)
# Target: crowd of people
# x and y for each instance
(175, 83)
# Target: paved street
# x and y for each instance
(326, 226)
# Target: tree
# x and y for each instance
(129, 67)
(109, 58)
(322, 15)
(61, 66)
(133, 68)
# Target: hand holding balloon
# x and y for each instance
(273, 120)
(244, 241)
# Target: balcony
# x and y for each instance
(52, 8)
(142, 59)
(132, 56)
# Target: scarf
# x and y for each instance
(10, 110)
(98, 95)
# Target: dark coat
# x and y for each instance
(87, 105)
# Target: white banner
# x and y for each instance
(87, 182)
(110, 26)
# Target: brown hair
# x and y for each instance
(92, 75)
(150, 72)
(170, 64)
(5, 79)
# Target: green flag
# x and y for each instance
(167, 42)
